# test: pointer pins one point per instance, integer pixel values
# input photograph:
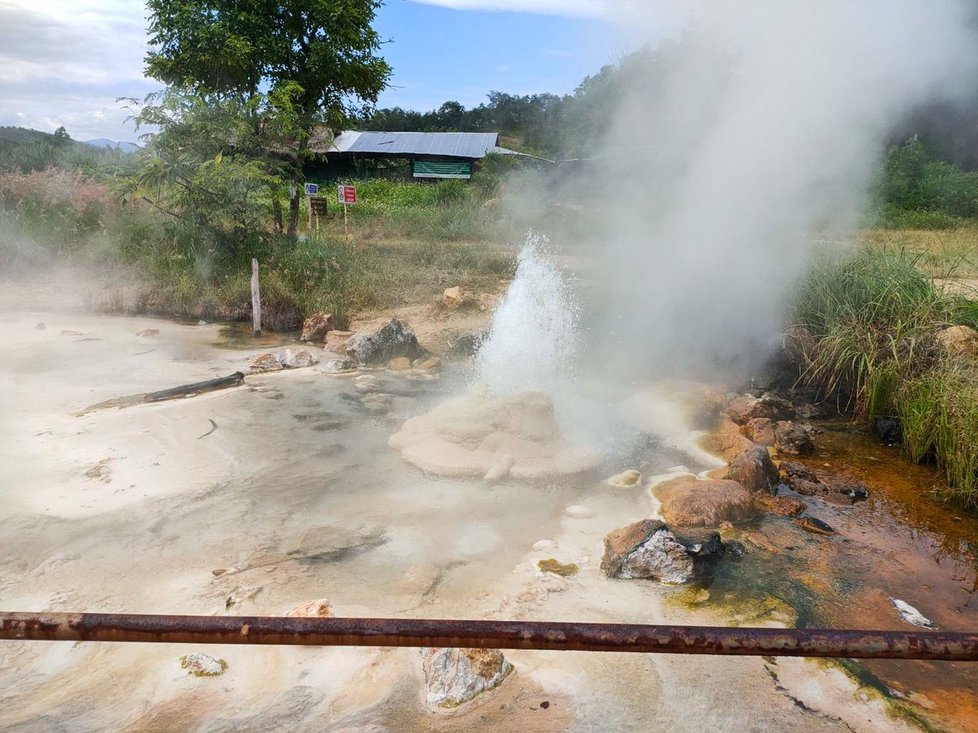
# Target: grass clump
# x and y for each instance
(875, 319)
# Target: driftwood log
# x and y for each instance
(192, 390)
(174, 393)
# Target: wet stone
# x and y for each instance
(393, 340)
(754, 470)
(455, 676)
(649, 549)
(813, 525)
(691, 502)
(793, 439)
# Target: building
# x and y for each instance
(419, 155)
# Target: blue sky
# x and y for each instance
(65, 62)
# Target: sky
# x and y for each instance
(66, 62)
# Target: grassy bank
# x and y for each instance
(187, 273)
(879, 327)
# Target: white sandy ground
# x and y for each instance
(292, 453)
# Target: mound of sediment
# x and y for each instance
(480, 436)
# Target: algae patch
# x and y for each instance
(564, 570)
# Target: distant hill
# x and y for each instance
(103, 142)
(23, 135)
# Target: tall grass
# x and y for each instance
(875, 319)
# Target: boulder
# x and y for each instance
(339, 366)
(649, 549)
(287, 358)
(378, 347)
(691, 502)
(316, 326)
(745, 408)
(760, 430)
(320, 608)
(887, 430)
(959, 341)
(726, 445)
(336, 341)
(455, 676)
(754, 470)
(453, 297)
(793, 439)
(797, 345)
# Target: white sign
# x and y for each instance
(312, 189)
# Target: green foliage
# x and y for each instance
(917, 192)
(875, 317)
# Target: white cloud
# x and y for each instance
(65, 63)
(577, 8)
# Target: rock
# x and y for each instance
(40, 326)
(797, 345)
(338, 366)
(746, 408)
(564, 570)
(726, 445)
(366, 383)
(691, 502)
(392, 340)
(316, 326)
(427, 364)
(813, 525)
(455, 676)
(887, 430)
(287, 358)
(293, 358)
(625, 479)
(760, 430)
(146, 332)
(792, 471)
(911, 615)
(959, 341)
(201, 665)
(321, 608)
(754, 470)
(854, 492)
(782, 505)
(399, 364)
(336, 341)
(793, 439)
(761, 541)
(649, 549)
(453, 297)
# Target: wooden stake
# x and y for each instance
(346, 226)
(255, 298)
(309, 201)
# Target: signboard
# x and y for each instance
(318, 205)
(346, 195)
(312, 189)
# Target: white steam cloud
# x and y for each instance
(762, 127)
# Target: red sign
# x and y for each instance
(346, 194)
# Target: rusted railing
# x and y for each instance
(547, 635)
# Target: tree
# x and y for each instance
(61, 137)
(313, 63)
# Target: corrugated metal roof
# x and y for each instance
(447, 144)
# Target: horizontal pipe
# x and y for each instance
(546, 635)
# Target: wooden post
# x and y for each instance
(346, 226)
(309, 202)
(255, 298)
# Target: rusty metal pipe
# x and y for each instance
(546, 635)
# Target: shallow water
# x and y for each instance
(131, 510)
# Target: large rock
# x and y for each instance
(316, 326)
(960, 341)
(379, 347)
(455, 676)
(691, 502)
(792, 439)
(747, 407)
(649, 549)
(453, 297)
(754, 470)
(760, 430)
(728, 445)
(287, 358)
(336, 341)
